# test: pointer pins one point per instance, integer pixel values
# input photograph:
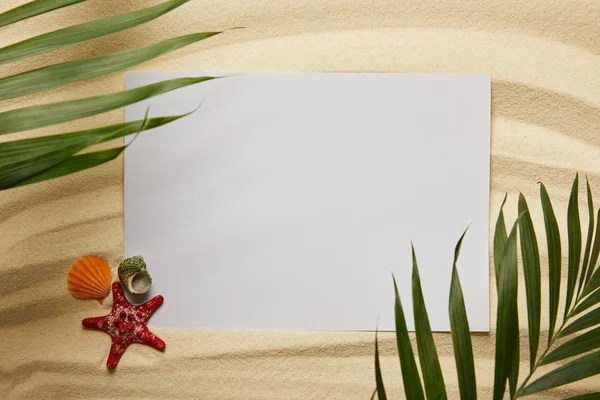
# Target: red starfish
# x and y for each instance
(126, 324)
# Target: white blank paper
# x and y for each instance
(287, 200)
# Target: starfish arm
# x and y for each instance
(150, 339)
(153, 304)
(116, 351)
(94, 322)
(118, 295)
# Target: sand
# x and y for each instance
(544, 57)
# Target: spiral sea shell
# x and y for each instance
(90, 278)
(134, 276)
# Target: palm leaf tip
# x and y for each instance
(428, 357)
(410, 374)
(500, 238)
(461, 335)
(532, 273)
(378, 377)
(554, 259)
(594, 255)
(574, 239)
(590, 236)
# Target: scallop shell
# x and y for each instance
(90, 278)
(134, 276)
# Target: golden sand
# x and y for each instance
(544, 57)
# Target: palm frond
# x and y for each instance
(33, 160)
(576, 302)
(576, 339)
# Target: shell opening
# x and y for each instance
(140, 283)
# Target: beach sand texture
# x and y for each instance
(544, 57)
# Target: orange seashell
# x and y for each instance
(90, 278)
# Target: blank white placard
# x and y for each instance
(287, 200)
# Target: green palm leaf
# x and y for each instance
(378, 378)
(595, 251)
(54, 113)
(27, 158)
(593, 284)
(11, 174)
(430, 364)
(31, 160)
(73, 71)
(69, 165)
(573, 371)
(80, 33)
(31, 169)
(554, 258)
(587, 303)
(587, 321)
(461, 335)
(583, 348)
(408, 366)
(581, 344)
(21, 150)
(507, 324)
(75, 164)
(590, 236)
(574, 236)
(32, 9)
(531, 270)
(500, 241)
